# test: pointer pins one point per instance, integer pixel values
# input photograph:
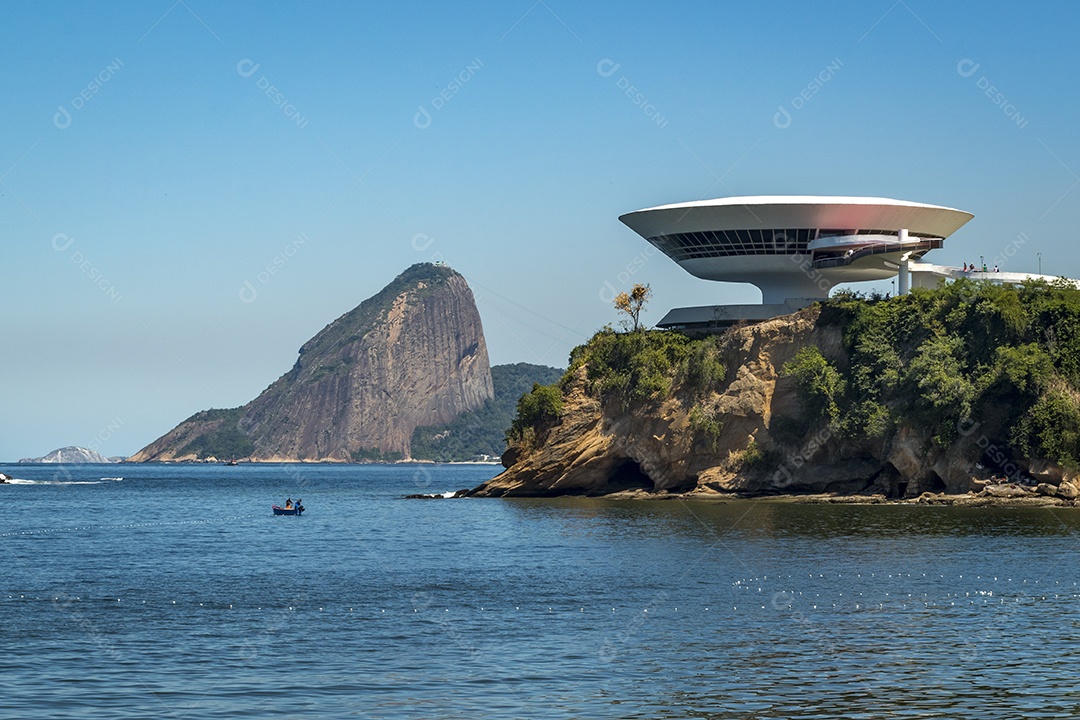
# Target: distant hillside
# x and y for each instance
(70, 454)
(413, 353)
(482, 431)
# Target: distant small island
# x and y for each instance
(71, 454)
(970, 391)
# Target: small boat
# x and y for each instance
(278, 510)
(230, 463)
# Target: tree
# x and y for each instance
(820, 385)
(535, 409)
(633, 303)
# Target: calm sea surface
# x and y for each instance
(175, 593)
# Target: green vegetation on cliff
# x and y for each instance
(227, 440)
(978, 363)
(627, 368)
(1004, 360)
(642, 365)
(537, 408)
(482, 431)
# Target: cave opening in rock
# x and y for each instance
(688, 483)
(889, 481)
(937, 485)
(628, 475)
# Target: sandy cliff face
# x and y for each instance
(412, 355)
(598, 447)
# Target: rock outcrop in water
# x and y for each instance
(414, 354)
(70, 454)
(776, 408)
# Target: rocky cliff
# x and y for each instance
(600, 445)
(778, 407)
(414, 354)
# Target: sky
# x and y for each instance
(189, 190)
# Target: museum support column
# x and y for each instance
(905, 274)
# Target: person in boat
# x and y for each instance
(299, 507)
(288, 504)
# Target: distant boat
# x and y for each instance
(298, 510)
(230, 462)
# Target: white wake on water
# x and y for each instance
(22, 481)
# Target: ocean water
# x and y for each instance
(174, 592)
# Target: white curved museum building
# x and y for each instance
(795, 249)
(795, 246)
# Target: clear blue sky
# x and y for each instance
(157, 156)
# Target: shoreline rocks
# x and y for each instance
(438, 496)
(1000, 498)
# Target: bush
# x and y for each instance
(227, 440)
(938, 385)
(633, 367)
(704, 367)
(625, 368)
(754, 456)
(1027, 369)
(374, 454)
(966, 350)
(706, 424)
(819, 384)
(1051, 429)
(482, 431)
(535, 410)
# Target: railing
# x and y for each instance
(920, 246)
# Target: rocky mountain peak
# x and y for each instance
(413, 354)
